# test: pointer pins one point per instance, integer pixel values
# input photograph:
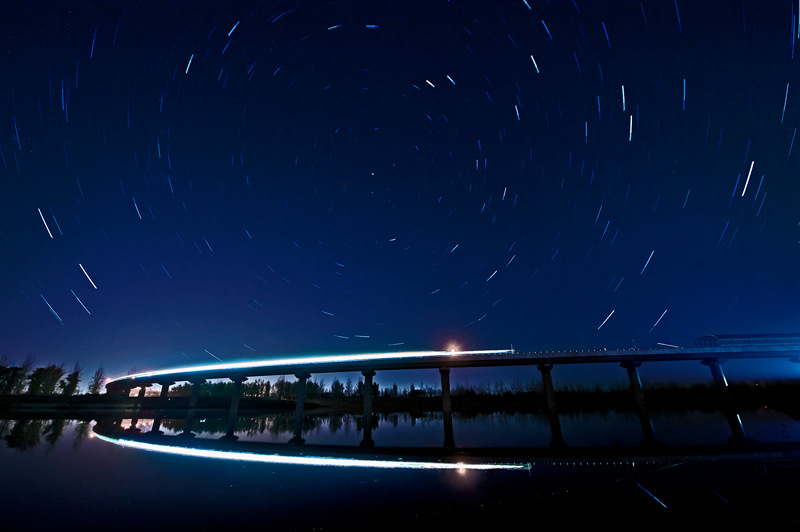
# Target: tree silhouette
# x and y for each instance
(43, 381)
(283, 389)
(337, 389)
(313, 389)
(82, 431)
(25, 434)
(53, 431)
(69, 386)
(13, 378)
(10, 379)
(96, 384)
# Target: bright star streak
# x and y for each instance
(45, 223)
(87, 276)
(307, 460)
(748, 177)
(605, 320)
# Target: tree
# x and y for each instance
(96, 384)
(69, 386)
(12, 379)
(43, 381)
(313, 389)
(337, 389)
(283, 389)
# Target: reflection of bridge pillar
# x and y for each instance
(367, 420)
(195, 392)
(156, 430)
(447, 408)
(550, 401)
(638, 396)
(187, 426)
(735, 422)
(300, 403)
(233, 413)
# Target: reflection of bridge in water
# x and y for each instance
(430, 458)
(712, 351)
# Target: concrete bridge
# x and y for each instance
(711, 350)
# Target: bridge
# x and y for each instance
(710, 350)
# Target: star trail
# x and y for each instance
(258, 180)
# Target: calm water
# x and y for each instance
(69, 474)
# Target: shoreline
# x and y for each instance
(780, 395)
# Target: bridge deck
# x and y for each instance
(460, 359)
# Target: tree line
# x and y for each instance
(24, 434)
(319, 389)
(280, 389)
(52, 379)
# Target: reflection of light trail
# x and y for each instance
(311, 360)
(309, 460)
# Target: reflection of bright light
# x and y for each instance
(311, 360)
(307, 460)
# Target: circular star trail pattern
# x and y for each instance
(229, 180)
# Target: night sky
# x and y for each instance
(190, 181)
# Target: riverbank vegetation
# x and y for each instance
(29, 382)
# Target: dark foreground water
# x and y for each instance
(122, 474)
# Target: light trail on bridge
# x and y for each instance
(299, 361)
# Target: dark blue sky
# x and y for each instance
(246, 179)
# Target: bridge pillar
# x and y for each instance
(143, 389)
(300, 404)
(447, 409)
(638, 396)
(233, 413)
(196, 384)
(165, 390)
(721, 383)
(550, 401)
(187, 425)
(367, 419)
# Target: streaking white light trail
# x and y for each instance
(748, 178)
(307, 460)
(311, 360)
(630, 130)
(87, 276)
(605, 320)
(45, 223)
(535, 65)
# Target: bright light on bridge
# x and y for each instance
(295, 361)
